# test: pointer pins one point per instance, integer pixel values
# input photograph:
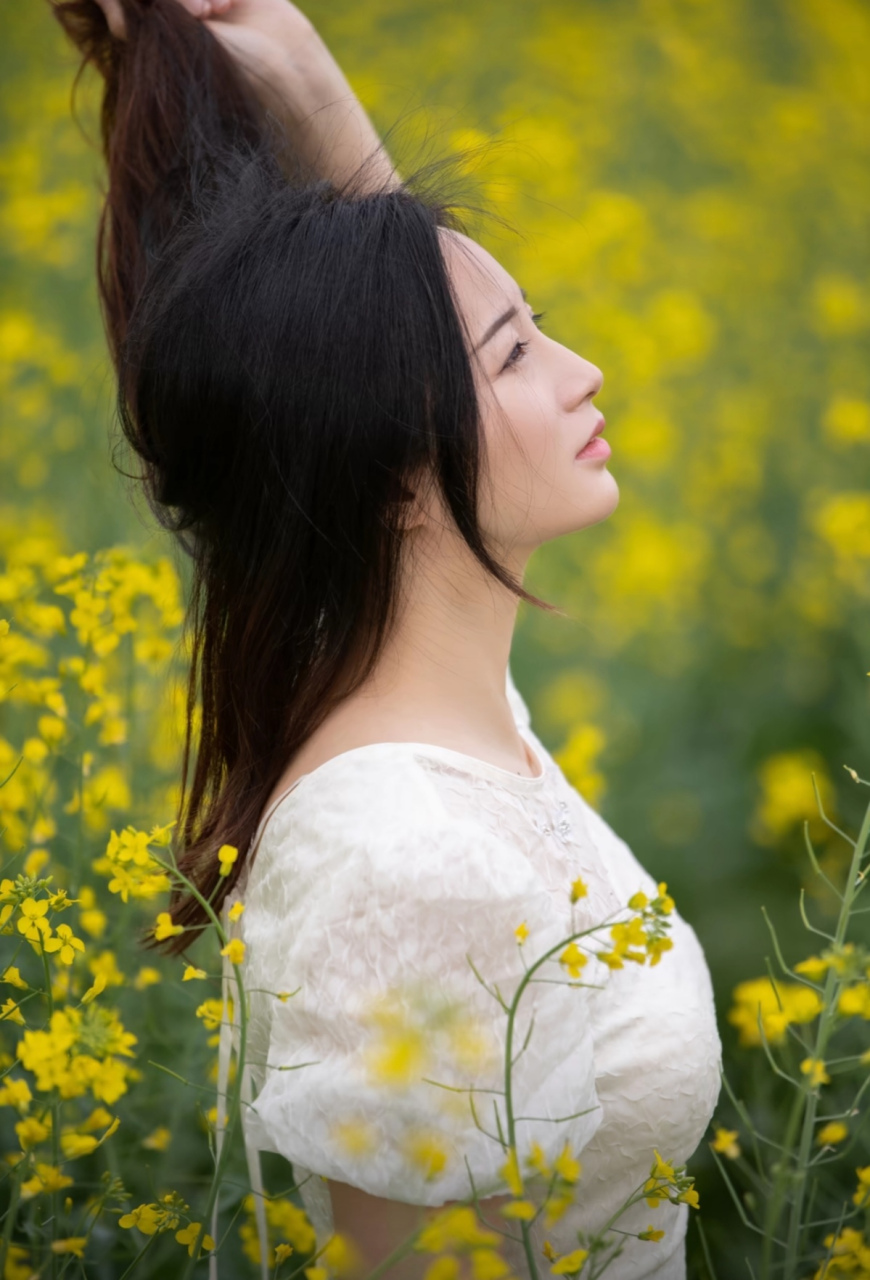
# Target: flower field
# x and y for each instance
(689, 182)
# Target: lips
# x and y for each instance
(599, 427)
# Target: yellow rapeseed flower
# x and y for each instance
(47, 1178)
(164, 928)
(536, 1160)
(656, 947)
(570, 1262)
(98, 986)
(31, 1132)
(191, 972)
(78, 1144)
(578, 890)
(832, 1133)
(339, 1254)
(398, 1058)
(16, 1093)
(72, 1244)
(661, 1168)
(456, 1226)
(236, 910)
(510, 1172)
(234, 951)
(814, 968)
(521, 932)
(573, 960)
(650, 1234)
(147, 976)
(427, 1153)
(664, 901)
(147, 1218)
(726, 1144)
(158, 1140)
(776, 1005)
(10, 1012)
(211, 1012)
(815, 1069)
(862, 1196)
(187, 1235)
(64, 943)
(32, 922)
(567, 1167)
(854, 1001)
(524, 1210)
(227, 855)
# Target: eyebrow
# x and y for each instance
(497, 324)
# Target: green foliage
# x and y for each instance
(690, 181)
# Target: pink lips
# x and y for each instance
(595, 447)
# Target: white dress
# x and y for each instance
(380, 872)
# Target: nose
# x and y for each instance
(584, 383)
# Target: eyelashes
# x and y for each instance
(520, 349)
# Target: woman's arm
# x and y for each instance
(298, 80)
(377, 1227)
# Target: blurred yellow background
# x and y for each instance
(689, 185)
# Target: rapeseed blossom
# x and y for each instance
(762, 1006)
(671, 263)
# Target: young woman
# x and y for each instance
(344, 406)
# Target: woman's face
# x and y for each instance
(536, 405)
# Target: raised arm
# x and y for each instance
(297, 79)
(189, 92)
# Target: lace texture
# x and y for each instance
(381, 872)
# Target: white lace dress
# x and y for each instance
(383, 871)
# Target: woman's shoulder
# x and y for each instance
(373, 786)
(376, 815)
(362, 790)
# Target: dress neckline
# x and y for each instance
(471, 765)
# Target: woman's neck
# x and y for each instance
(442, 671)
(440, 678)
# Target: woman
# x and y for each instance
(346, 407)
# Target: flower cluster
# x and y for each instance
(128, 861)
(644, 938)
(166, 1215)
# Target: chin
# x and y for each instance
(599, 504)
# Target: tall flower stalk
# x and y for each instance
(790, 1204)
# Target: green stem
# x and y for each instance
(9, 1225)
(780, 1186)
(139, 1256)
(234, 1107)
(528, 1248)
(826, 1026)
(55, 1122)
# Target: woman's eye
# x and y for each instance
(516, 355)
(519, 350)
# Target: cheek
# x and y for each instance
(525, 465)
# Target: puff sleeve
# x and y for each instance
(369, 898)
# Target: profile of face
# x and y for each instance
(537, 412)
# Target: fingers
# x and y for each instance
(198, 8)
(114, 17)
(206, 8)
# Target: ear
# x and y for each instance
(414, 502)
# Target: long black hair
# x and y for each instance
(291, 362)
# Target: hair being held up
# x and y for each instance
(291, 364)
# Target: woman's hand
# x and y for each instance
(295, 77)
(272, 40)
